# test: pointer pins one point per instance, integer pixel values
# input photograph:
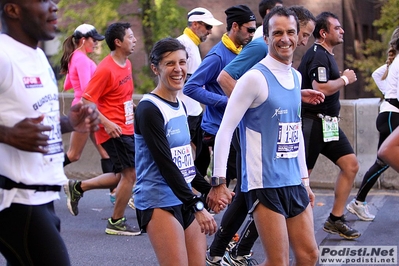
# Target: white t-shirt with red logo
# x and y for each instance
(28, 88)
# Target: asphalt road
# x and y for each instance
(89, 245)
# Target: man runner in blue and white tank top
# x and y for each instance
(267, 101)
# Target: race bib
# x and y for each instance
(129, 114)
(55, 148)
(182, 157)
(330, 128)
(288, 140)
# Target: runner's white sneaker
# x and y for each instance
(360, 209)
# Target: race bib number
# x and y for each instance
(55, 149)
(129, 114)
(288, 140)
(182, 157)
(330, 129)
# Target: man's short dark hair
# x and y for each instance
(322, 23)
(304, 15)
(265, 5)
(281, 12)
(115, 31)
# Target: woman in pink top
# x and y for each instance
(79, 69)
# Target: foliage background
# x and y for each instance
(156, 24)
(373, 53)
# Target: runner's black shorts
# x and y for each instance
(121, 152)
(183, 216)
(312, 129)
(288, 201)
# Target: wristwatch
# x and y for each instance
(216, 181)
(198, 206)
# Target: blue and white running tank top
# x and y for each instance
(151, 190)
(269, 137)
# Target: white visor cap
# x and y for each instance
(204, 15)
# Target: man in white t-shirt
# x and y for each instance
(199, 26)
(31, 168)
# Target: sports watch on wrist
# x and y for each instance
(216, 181)
(198, 206)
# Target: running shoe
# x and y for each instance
(215, 261)
(112, 198)
(341, 228)
(251, 261)
(73, 196)
(360, 209)
(229, 259)
(233, 242)
(131, 203)
(121, 228)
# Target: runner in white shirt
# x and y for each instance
(200, 22)
(31, 150)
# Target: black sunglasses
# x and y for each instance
(249, 29)
(207, 27)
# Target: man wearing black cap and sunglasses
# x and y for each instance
(243, 17)
(200, 22)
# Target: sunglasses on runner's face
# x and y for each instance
(249, 29)
(207, 27)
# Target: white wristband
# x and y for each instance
(305, 182)
(346, 80)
